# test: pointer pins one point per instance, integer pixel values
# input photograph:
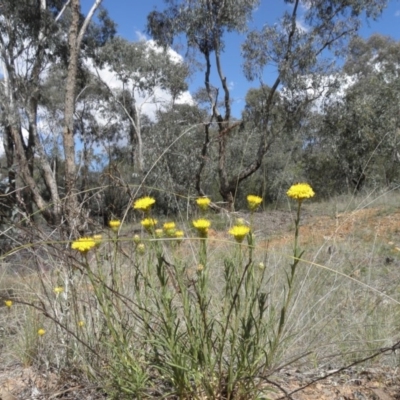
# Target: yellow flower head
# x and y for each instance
(81, 324)
(141, 248)
(240, 221)
(159, 233)
(144, 204)
(202, 226)
(239, 232)
(169, 225)
(114, 224)
(253, 202)
(203, 203)
(83, 244)
(148, 224)
(300, 191)
(41, 332)
(169, 229)
(179, 234)
(8, 303)
(58, 289)
(136, 239)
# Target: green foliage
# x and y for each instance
(296, 51)
(300, 128)
(143, 67)
(177, 136)
(354, 138)
(203, 22)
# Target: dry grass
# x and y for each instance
(346, 303)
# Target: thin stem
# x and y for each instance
(296, 259)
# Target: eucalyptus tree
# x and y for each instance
(204, 23)
(301, 53)
(34, 35)
(360, 128)
(77, 30)
(284, 143)
(95, 125)
(144, 78)
(171, 150)
(24, 47)
(295, 51)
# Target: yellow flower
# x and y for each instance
(179, 234)
(240, 221)
(202, 226)
(141, 249)
(239, 232)
(136, 239)
(58, 289)
(300, 191)
(114, 224)
(169, 229)
(158, 233)
(253, 202)
(203, 203)
(8, 303)
(81, 323)
(41, 332)
(169, 225)
(144, 204)
(83, 244)
(149, 223)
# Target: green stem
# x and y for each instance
(296, 259)
(114, 263)
(296, 233)
(219, 358)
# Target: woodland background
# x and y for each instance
(78, 149)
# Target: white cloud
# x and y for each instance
(141, 36)
(301, 26)
(185, 98)
(321, 89)
(174, 56)
(147, 104)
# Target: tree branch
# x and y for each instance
(264, 144)
(222, 77)
(62, 10)
(85, 24)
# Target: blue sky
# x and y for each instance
(131, 16)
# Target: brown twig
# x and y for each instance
(381, 351)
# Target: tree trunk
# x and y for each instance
(49, 176)
(9, 151)
(73, 209)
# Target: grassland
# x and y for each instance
(200, 317)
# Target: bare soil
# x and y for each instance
(353, 384)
